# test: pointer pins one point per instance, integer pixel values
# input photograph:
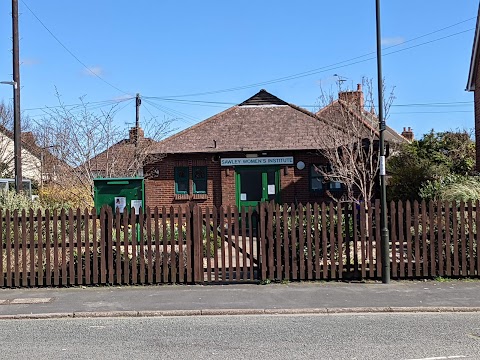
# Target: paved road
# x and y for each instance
(371, 336)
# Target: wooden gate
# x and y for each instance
(229, 242)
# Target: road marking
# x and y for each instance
(442, 357)
(3, 302)
(31, 301)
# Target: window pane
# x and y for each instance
(335, 185)
(181, 180)
(201, 186)
(181, 172)
(251, 184)
(316, 180)
(199, 172)
(182, 186)
(317, 183)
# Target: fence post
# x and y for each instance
(197, 244)
(262, 257)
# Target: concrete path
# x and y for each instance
(291, 298)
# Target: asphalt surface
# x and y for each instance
(368, 336)
(241, 299)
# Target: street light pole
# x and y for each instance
(17, 145)
(385, 241)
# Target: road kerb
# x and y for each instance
(169, 313)
(229, 312)
(36, 316)
(97, 314)
(296, 311)
(212, 312)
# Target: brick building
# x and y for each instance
(260, 150)
(473, 84)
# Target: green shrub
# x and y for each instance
(452, 188)
(10, 200)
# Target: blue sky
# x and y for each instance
(175, 48)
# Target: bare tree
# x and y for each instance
(88, 144)
(352, 152)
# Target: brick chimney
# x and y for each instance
(133, 132)
(407, 133)
(353, 97)
(28, 138)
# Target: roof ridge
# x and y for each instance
(263, 97)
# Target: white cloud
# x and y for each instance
(29, 61)
(122, 97)
(389, 41)
(93, 71)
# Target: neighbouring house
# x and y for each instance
(260, 150)
(123, 159)
(353, 101)
(38, 164)
(473, 84)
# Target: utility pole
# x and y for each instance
(138, 102)
(383, 188)
(17, 131)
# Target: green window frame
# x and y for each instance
(199, 177)
(181, 180)
(316, 180)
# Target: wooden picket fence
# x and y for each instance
(210, 245)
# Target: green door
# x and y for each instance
(256, 184)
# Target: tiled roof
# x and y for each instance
(263, 122)
(119, 158)
(368, 118)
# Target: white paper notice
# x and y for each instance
(382, 165)
(243, 197)
(271, 189)
(136, 204)
(120, 203)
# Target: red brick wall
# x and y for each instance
(160, 183)
(295, 186)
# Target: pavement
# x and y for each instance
(291, 298)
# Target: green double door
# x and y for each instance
(256, 184)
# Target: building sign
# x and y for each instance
(284, 160)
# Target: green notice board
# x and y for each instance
(122, 193)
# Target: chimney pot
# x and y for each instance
(133, 132)
(353, 97)
(408, 134)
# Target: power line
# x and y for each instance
(432, 112)
(206, 103)
(77, 108)
(173, 113)
(333, 66)
(106, 102)
(148, 110)
(72, 54)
